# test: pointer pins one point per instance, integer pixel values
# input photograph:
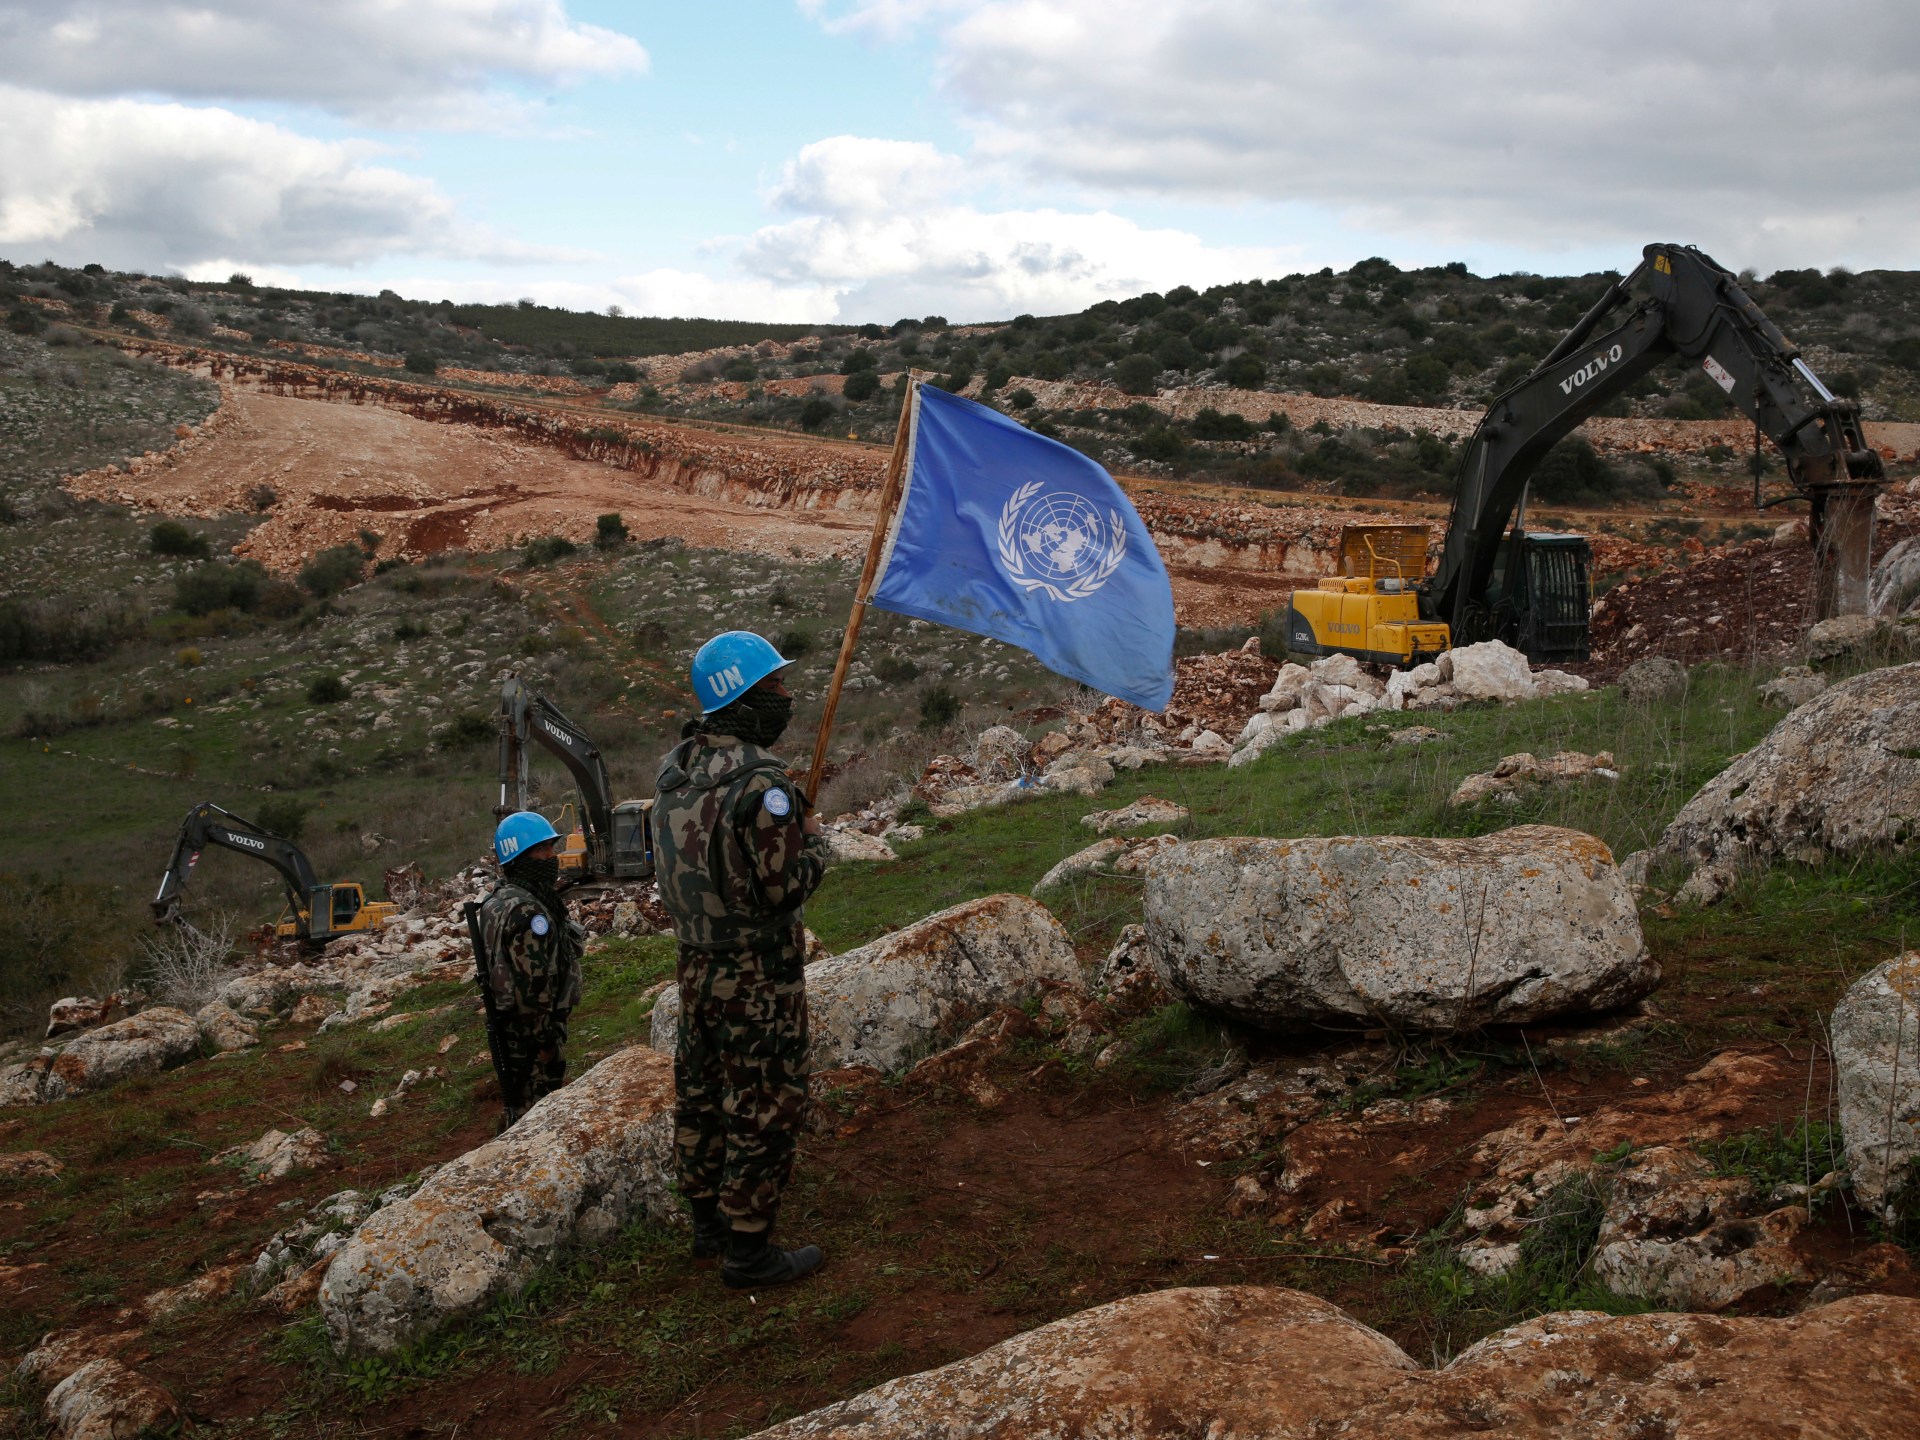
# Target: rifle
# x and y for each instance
(509, 1093)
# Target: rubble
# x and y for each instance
(1147, 810)
(82, 1012)
(277, 1154)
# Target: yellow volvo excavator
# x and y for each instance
(1496, 580)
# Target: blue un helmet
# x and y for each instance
(729, 665)
(519, 833)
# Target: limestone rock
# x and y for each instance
(104, 1400)
(1876, 1054)
(885, 1001)
(1249, 1361)
(221, 1029)
(1794, 686)
(1417, 735)
(1147, 810)
(81, 1012)
(1346, 671)
(572, 1170)
(1847, 636)
(1895, 582)
(1558, 682)
(1515, 773)
(1652, 679)
(277, 1154)
(61, 1352)
(1426, 934)
(845, 845)
(1686, 1240)
(998, 753)
(1209, 743)
(1081, 862)
(1140, 854)
(1231, 1361)
(29, 1165)
(143, 1044)
(1488, 670)
(311, 1009)
(1285, 691)
(1077, 775)
(1838, 776)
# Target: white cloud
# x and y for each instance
(1770, 134)
(147, 186)
(884, 228)
(422, 60)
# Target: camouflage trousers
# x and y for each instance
(740, 1079)
(532, 1056)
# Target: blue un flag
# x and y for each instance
(1011, 535)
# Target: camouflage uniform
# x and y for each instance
(533, 975)
(734, 868)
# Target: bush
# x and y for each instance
(896, 670)
(22, 321)
(186, 967)
(816, 412)
(1162, 442)
(263, 497)
(419, 362)
(190, 657)
(1136, 374)
(1245, 372)
(216, 586)
(471, 729)
(281, 815)
(547, 549)
(327, 690)
(861, 385)
(793, 644)
(333, 570)
(55, 629)
(858, 361)
(621, 373)
(1210, 424)
(610, 532)
(939, 707)
(1021, 399)
(170, 537)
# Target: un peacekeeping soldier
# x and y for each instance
(530, 964)
(737, 855)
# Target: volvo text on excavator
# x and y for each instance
(613, 841)
(315, 912)
(1498, 581)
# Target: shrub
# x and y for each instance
(187, 966)
(57, 630)
(215, 586)
(1162, 442)
(333, 570)
(548, 548)
(190, 657)
(419, 362)
(170, 537)
(816, 412)
(621, 373)
(471, 729)
(1136, 374)
(896, 670)
(610, 532)
(793, 644)
(741, 368)
(1021, 399)
(327, 690)
(861, 385)
(22, 321)
(281, 815)
(1210, 424)
(1246, 372)
(939, 707)
(279, 599)
(263, 497)
(857, 361)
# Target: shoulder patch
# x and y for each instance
(777, 803)
(540, 925)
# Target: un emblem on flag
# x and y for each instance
(1057, 543)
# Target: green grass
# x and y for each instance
(1775, 1155)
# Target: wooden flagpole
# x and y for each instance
(882, 522)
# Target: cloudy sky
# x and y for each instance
(859, 160)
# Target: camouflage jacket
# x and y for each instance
(533, 953)
(734, 862)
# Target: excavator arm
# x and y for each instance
(1694, 309)
(207, 824)
(527, 717)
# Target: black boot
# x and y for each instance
(754, 1264)
(710, 1230)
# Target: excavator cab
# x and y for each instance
(1371, 610)
(333, 911)
(571, 852)
(1537, 597)
(633, 840)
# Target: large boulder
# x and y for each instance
(1489, 670)
(223, 1030)
(143, 1044)
(1895, 583)
(572, 1170)
(104, 1400)
(888, 1000)
(1228, 1361)
(1876, 1053)
(1849, 637)
(1653, 679)
(1247, 1361)
(1425, 934)
(1838, 776)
